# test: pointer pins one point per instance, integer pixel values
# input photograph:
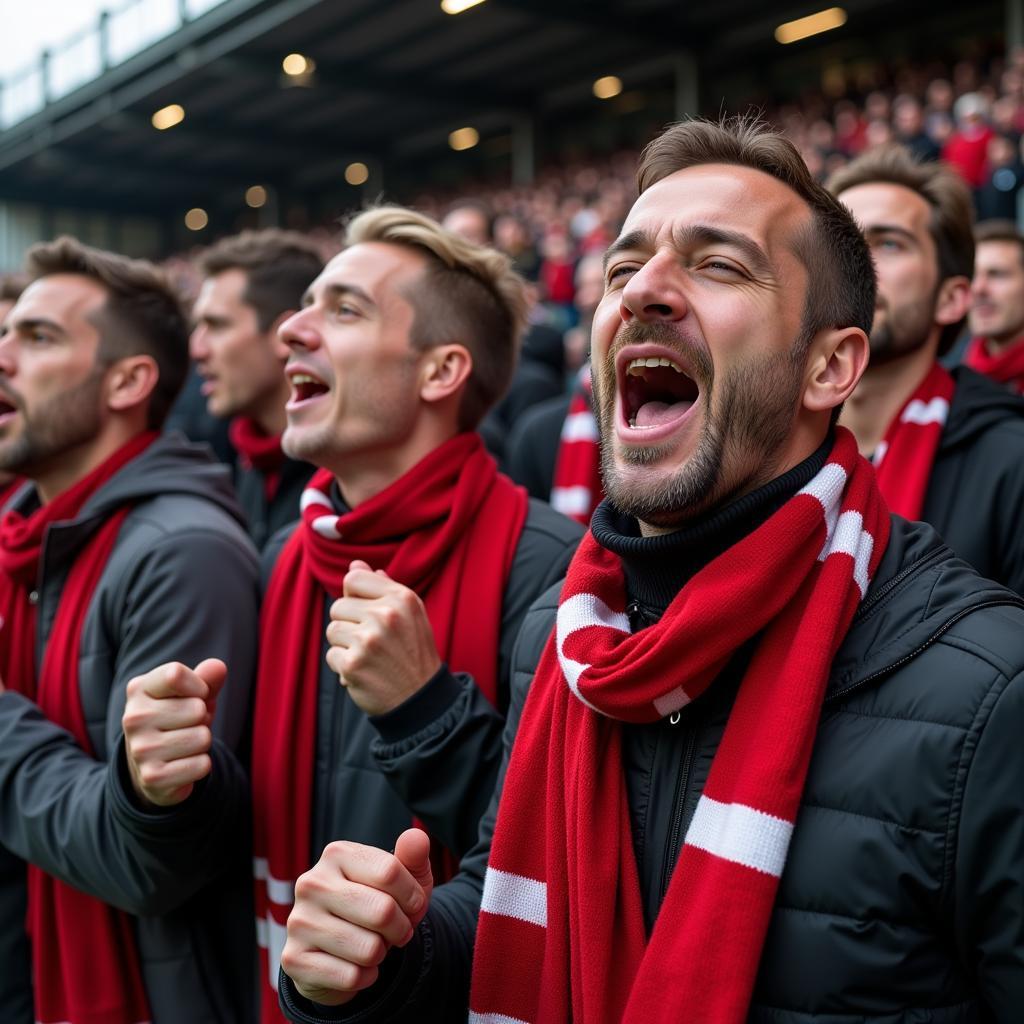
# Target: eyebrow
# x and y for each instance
(889, 229)
(692, 235)
(32, 323)
(337, 291)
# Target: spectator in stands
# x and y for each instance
(129, 548)
(908, 118)
(409, 534)
(948, 448)
(471, 220)
(512, 238)
(252, 283)
(770, 765)
(967, 148)
(997, 304)
(997, 199)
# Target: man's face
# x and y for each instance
(895, 221)
(352, 369)
(704, 282)
(470, 224)
(997, 291)
(240, 364)
(51, 386)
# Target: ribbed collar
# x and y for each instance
(657, 568)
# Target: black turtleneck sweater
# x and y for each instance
(666, 763)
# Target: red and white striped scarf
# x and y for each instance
(904, 459)
(448, 529)
(577, 485)
(1005, 367)
(561, 933)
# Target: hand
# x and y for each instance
(167, 732)
(381, 641)
(350, 909)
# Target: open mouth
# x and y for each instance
(7, 409)
(305, 388)
(656, 392)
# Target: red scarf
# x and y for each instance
(577, 485)
(447, 529)
(1005, 367)
(561, 932)
(904, 459)
(258, 450)
(85, 964)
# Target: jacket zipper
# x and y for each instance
(678, 804)
(995, 602)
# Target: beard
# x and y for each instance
(748, 414)
(904, 329)
(55, 426)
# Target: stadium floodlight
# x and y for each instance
(463, 138)
(812, 25)
(458, 6)
(255, 196)
(357, 173)
(196, 219)
(608, 87)
(296, 65)
(168, 117)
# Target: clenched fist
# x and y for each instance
(350, 909)
(381, 642)
(167, 729)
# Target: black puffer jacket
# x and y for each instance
(975, 494)
(903, 895)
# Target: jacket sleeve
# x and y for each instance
(441, 749)
(75, 816)
(427, 981)
(989, 855)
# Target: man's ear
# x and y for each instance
(130, 382)
(835, 363)
(953, 300)
(277, 346)
(444, 372)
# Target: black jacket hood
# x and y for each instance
(977, 404)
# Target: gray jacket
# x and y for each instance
(181, 584)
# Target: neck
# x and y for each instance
(881, 393)
(363, 477)
(72, 465)
(269, 414)
(997, 346)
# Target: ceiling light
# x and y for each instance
(458, 6)
(823, 21)
(256, 196)
(463, 138)
(168, 117)
(196, 219)
(296, 65)
(607, 87)
(357, 173)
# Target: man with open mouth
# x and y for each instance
(124, 547)
(766, 761)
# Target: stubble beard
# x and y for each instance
(904, 330)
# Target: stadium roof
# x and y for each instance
(391, 81)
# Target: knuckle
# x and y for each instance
(370, 951)
(389, 616)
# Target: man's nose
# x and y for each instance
(299, 332)
(654, 292)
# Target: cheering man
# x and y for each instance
(948, 447)
(769, 766)
(253, 282)
(128, 549)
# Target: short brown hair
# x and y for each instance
(952, 221)
(833, 250)
(11, 287)
(468, 293)
(143, 314)
(278, 265)
(999, 231)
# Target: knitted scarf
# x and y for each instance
(258, 450)
(85, 963)
(447, 529)
(561, 933)
(577, 484)
(1006, 367)
(904, 459)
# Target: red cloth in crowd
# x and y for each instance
(968, 153)
(447, 529)
(558, 281)
(577, 489)
(85, 964)
(561, 932)
(904, 459)
(1005, 367)
(258, 450)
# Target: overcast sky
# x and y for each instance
(29, 26)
